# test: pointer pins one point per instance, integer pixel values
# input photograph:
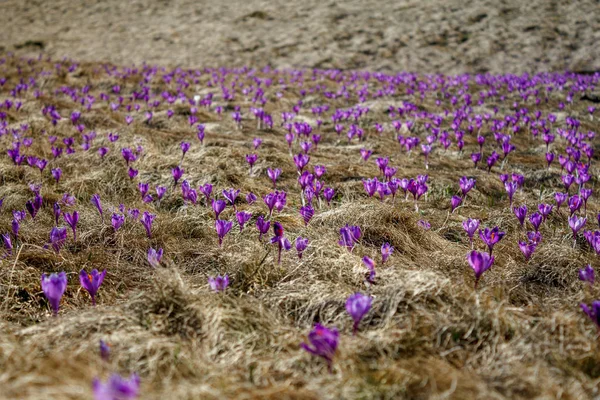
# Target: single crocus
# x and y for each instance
(587, 274)
(274, 175)
(349, 236)
(527, 248)
(454, 203)
(117, 388)
(177, 173)
(117, 221)
(154, 257)
(323, 343)
(358, 305)
(470, 226)
(230, 195)
(71, 220)
(222, 227)
(250, 198)
(491, 236)
(307, 213)
(536, 220)
(96, 202)
(219, 283)
(480, 262)
(147, 220)
(243, 217)
(280, 239)
(520, 213)
(218, 206)
(58, 237)
(301, 245)
(54, 287)
(251, 160)
(185, 146)
(386, 252)
(91, 282)
(7, 242)
(593, 312)
(263, 226)
(56, 174)
(576, 223)
(370, 264)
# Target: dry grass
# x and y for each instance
(428, 335)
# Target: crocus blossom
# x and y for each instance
(282, 242)
(117, 388)
(54, 287)
(358, 305)
(323, 342)
(587, 274)
(301, 245)
(480, 262)
(219, 283)
(91, 282)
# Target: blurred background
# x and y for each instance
(441, 36)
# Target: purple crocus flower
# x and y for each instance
(470, 226)
(328, 194)
(520, 213)
(15, 228)
(545, 210)
(576, 223)
(154, 257)
(593, 312)
(466, 184)
(491, 236)
(274, 175)
(218, 206)
(270, 200)
(185, 146)
(56, 174)
(560, 198)
(222, 227)
(386, 252)
(177, 173)
(256, 143)
(96, 202)
(58, 237)
(91, 282)
(243, 217)
(219, 283)
(370, 264)
(206, 190)
(349, 236)
(301, 245)
(574, 203)
(527, 248)
(132, 173)
(323, 343)
(230, 195)
(54, 287)
(358, 305)
(250, 198)
(263, 226)
(251, 160)
(536, 220)
(147, 220)
(7, 242)
(71, 220)
(117, 388)
(480, 262)
(280, 239)
(307, 213)
(454, 203)
(511, 188)
(587, 274)
(57, 213)
(117, 221)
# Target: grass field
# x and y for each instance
(428, 334)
